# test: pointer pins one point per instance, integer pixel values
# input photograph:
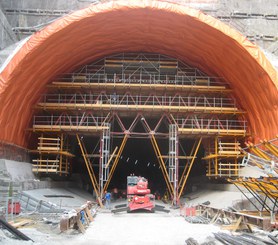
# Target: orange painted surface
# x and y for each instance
(143, 26)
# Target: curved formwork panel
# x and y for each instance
(136, 26)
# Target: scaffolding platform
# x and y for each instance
(66, 128)
(126, 85)
(52, 156)
(140, 95)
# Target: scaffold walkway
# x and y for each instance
(94, 124)
(127, 102)
(146, 86)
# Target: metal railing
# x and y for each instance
(103, 78)
(218, 124)
(89, 121)
(139, 100)
(68, 120)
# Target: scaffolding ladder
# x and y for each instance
(104, 157)
(173, 160)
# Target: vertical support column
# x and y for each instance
(173, 160)
(209, 162)
(216, 154)
(60, 155)
(104, 157)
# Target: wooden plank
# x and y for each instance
(44, 170)
(21, 223)
(48, 148)
(167, 67)
(64, 153)
(43, 138)
(49, 144)
(45, 165)
(45, 160)
(230, 164)
(222, 175)
(224, 148)
(228, 169)
(18, 234)
(80, 225)
(88, 212)
(229, 152)
(227, 143)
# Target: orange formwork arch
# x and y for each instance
(143, 26)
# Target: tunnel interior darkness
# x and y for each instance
(138, 158)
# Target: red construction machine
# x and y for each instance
(138, 194)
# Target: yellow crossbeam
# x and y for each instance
(189, 169)
(162, 164)
(186, 166)
(112, 170)
(258, 152)
(273, 149)
(109, 107)
(136, 86)
(111, 157)
(90, 171)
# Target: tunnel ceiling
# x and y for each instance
(137, 26)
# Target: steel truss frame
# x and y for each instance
(265, 192)
(90, 121)
(152, 91)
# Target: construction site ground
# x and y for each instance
(124, 228)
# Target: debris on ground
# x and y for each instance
(14, 231)
(242, 239)
(78, 218)
(197, 220)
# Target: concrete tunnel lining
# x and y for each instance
(137, 26)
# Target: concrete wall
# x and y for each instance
(7, 36)
(17, 171)
(17, 176)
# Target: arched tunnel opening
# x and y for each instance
(175, 114)
(144, 114)
(139, 159)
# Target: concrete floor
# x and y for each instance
(62, 198)
(122, 228)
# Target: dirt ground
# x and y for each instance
(121, 229)
(126, 228)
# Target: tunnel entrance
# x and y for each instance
(138, 158)
(142, 107)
